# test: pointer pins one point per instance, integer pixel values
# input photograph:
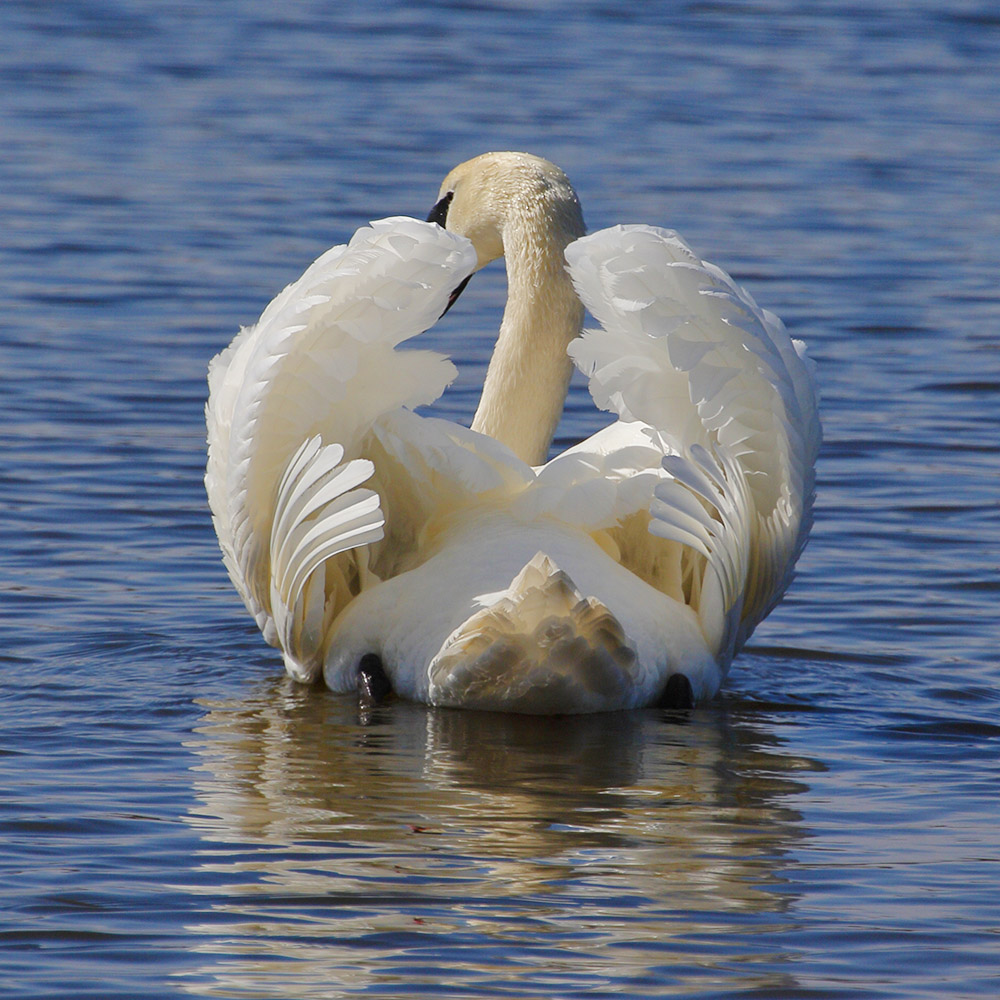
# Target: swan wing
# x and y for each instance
(291, 402)
(729, 399)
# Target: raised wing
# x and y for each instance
(291, 402)
(730, 400)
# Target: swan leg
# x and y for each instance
(677, 694)
(373, 682)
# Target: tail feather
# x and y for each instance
(538, 647)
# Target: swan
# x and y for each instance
(388, 550)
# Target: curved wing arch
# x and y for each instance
(729, 399)
(292, 404)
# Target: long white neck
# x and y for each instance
(528, 376)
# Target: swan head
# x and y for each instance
(522, 208)
(498, 199)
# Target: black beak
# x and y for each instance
(453, 298)
(439, 213)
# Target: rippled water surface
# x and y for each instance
(178, 819)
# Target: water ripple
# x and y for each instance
(178, 819)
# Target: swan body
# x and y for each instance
(479, 575)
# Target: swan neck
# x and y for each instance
(528, 376)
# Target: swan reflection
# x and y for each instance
(432, 846)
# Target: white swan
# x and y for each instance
(376, 545)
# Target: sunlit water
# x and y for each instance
(179, 819)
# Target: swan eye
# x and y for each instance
(439, 213)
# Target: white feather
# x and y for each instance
(321, 362)
(740, 420)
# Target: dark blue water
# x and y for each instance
(176, 818)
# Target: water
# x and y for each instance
(177, 819)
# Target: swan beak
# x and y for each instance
(453, 298)
(439, 214)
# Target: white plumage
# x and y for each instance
(478, 576)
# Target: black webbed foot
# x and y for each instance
(373, 682)
(677, 694)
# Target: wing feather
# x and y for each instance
(292, 398)
(321, 514)
(731, 401)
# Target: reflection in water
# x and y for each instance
(465, 851)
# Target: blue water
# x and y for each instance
(178, 819)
